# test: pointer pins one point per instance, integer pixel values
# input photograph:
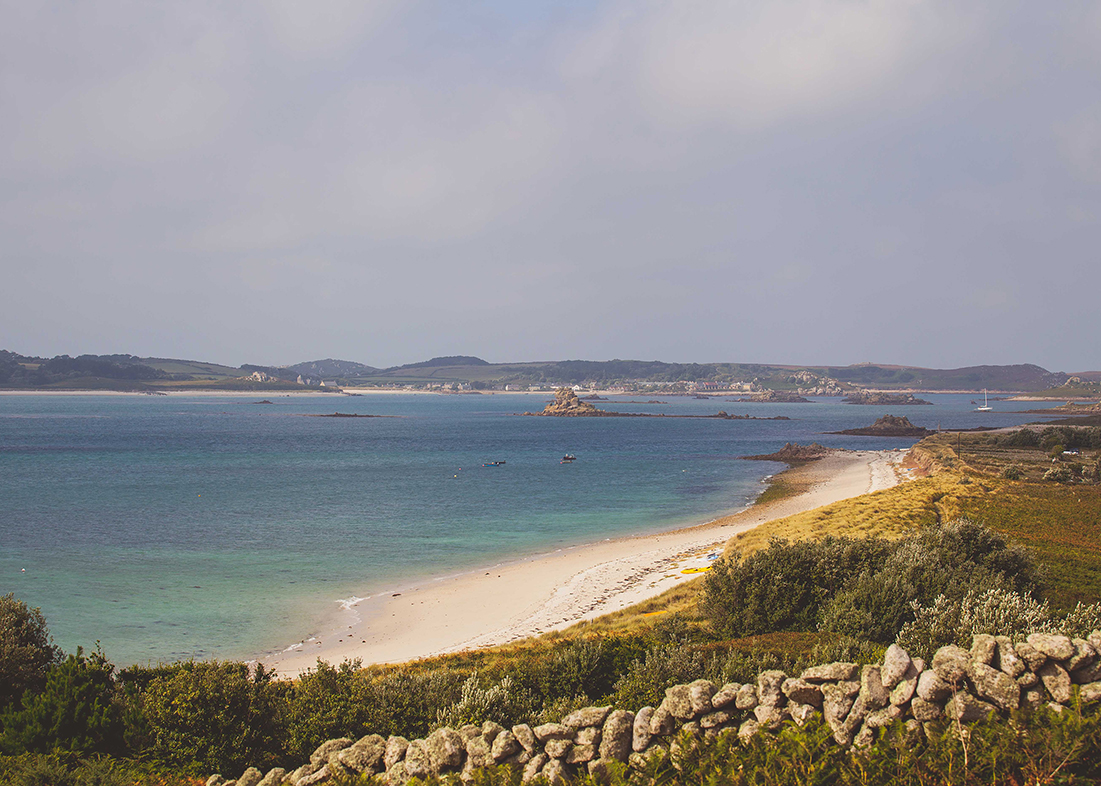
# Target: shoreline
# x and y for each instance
(503, 603)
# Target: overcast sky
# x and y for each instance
(790, 182)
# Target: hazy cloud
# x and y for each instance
(802, 181)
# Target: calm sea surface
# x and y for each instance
(213, 526)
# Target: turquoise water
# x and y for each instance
(214, 526)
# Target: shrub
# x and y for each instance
(998, 612)
(501, 702)
(1021, 438)
(783, 586)
(406, 701)
(952, 559)
(1059, 474)
(1082, 620)
(65, 770)
(213, 717)
(647, 678)
(580, 667)
(326, 703)
(1013, 472)
(26, 652)
(75, 711)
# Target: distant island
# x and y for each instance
(883, 399)
(346, 415)
(566, 404)
(888, 426)
(774, 397)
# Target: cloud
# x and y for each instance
(751, 65)
(647, 178)
(325, 28)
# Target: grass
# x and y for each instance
(1060, 524)
(780, 487)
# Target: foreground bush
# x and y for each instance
(861, 588)
(62, 770)
(75, 711)
(26, 652)
(205, 715)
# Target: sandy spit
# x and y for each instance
(504, 603)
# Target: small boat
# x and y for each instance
(985, 404)
(569, 457)
(493, 463)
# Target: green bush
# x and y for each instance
(861, 589)
(951, 559)
(326, 703)
(26, 652)
(65, 770)
(1013, 472)
(210, 717)
(783, 586)
(998, 612)
(75, 711)
(647, 678)
(1021, 438)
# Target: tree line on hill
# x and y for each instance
(32, 372)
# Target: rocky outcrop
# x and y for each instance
(793, 453)
(888, 426)
(883, 399)
(775, 397)
(566, 404)
(995, 677)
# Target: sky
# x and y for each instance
(798, 181)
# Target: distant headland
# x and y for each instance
(863, 383)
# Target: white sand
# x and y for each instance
(507, 602)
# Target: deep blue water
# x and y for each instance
(213, 526)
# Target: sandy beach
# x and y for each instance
(506, 602)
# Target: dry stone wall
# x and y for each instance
(995, 676)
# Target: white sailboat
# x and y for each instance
(985, 404)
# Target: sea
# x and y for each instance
(168, 528)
